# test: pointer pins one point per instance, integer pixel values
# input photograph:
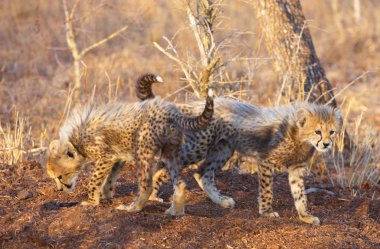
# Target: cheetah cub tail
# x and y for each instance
(203, 120)
(144, 85)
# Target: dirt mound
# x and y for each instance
(33, 214)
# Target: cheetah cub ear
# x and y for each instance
(66, 149)
(301, 116)
(53, 147)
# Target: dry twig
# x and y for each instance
(202, 23)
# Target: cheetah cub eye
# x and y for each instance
(70, 154)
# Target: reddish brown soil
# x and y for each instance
(43, 217)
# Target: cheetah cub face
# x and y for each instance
(63, 164)
(319, 127)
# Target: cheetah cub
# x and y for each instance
(278, 138)
(118, 134)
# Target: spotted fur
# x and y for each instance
(278, 138)
(118, 134)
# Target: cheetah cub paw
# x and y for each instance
(313, 220)
(227, 202)
(155, 198)
(175, 211)
(270, 214)
(129, 208)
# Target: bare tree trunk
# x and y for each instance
(288, 41)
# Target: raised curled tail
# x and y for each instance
(202, 121)
(144, 86)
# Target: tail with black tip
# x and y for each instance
(144, 86)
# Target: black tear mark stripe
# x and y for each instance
(319, 140)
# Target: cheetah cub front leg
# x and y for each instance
(297, 187)
(97, 181)
(266, 192)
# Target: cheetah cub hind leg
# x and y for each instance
(159, 177)
(178, 205)
(208, 187)
(216, 158)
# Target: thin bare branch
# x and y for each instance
(179, 62)
(350, 84)
(193, 24)
(97, 44)
(20, 150)
(73, 9)
(177, 91)
(319, 190)
(201, 71)
(70, 38)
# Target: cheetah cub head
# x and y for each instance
(318, 125)
(63, 164)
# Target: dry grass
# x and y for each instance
(357, 166)
(36, 66)
(14, 140)
(16, 143)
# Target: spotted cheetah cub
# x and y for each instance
(118, 134)
(278, 138)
